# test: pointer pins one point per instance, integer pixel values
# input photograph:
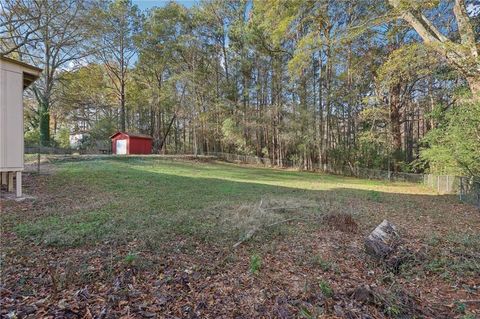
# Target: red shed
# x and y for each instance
(127, 143)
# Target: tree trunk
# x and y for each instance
(395, 118)
(474, 84)
(382, 240)
(327, 120)
(44, 123)
(163, 141)
(463, 56)
(122, 107)
(320, 111)
(152, 120)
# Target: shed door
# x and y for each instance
(121, 147)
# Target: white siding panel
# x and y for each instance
(11, 120)
(3, 116)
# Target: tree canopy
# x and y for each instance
(388, 84)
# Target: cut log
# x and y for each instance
(382, 241)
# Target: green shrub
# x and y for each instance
(32, 137)
(62, 138)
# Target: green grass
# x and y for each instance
(326, 289)
(255, 264)
(158, 217)
(318, 261)
(156, 201)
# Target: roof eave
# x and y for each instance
(22, 64)
(146, 137)
(30, 73)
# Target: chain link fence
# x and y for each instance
(470, 190)
(244, 159)
(443, 184)
(47, 150)
(467, 188)
(369, 173)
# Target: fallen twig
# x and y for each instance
(288, 220)
(289, 208)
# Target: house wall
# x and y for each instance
(11, 117)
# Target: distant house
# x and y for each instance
(128, 143)
(15, 76)
(76, 139)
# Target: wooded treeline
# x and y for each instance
(370, 83)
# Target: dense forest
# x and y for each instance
(388, 84)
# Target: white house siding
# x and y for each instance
(11, 117)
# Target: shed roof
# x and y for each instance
(30, 72)
(133, 135)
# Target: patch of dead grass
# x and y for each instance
(341, 221)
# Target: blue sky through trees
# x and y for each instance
(147, 4)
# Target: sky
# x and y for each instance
(147, 4)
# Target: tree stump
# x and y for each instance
(382, 241)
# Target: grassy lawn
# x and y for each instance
(151, 199)
(95, 221)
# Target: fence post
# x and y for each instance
(438, 184)
(461, 189)
(477, 191)
(38, 160)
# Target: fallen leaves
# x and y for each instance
(212, 280)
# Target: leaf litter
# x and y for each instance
(315, 268)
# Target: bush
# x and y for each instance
(32, 137)
(62, 138)
(454, 146)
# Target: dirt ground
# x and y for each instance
(301, 268)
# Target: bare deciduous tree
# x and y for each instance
(51, 34)
(19, 24)
(121, 21)
(463, 55)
